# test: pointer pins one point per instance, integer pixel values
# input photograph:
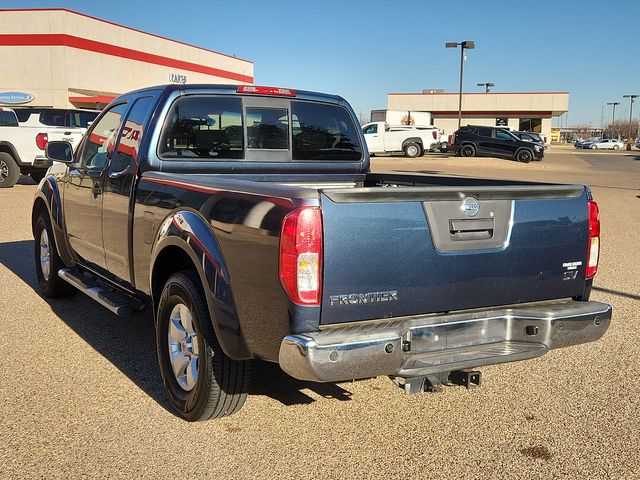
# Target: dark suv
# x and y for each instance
(475, 140)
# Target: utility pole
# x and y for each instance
(631, 98)
(469, 45)
(613, 117)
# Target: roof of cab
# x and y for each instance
(225, 89)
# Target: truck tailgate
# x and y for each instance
(392, 252)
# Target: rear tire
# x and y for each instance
(202, 382)
(616, 147)
(593, 147)
(9, 171)
(467, 151)
(524, 156)
(412, 150)
(48, 262)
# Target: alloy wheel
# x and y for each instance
(183, 347)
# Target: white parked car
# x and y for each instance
(604, 144)
(413, 141)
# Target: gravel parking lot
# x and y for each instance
(81, 396)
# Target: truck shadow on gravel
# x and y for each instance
(129, 343)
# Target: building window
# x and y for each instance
(530, 125)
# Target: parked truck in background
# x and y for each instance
(412, 141)
(21, 149)
(22, 144)
(247, 220)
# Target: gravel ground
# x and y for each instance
(81, 396)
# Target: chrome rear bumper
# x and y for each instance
(422, 345)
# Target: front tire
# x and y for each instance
(524, 156)
(593, 147)
(412, 150)
(616, 147)
(48, 262)
(9, 171)
(202, 382)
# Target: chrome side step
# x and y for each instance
(117, 302)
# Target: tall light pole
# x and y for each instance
(613, 116)
(469, 45)
(487, 86)
(631, 98)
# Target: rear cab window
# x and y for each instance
(271, 129)
(8, 118)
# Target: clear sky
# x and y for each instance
(364, 50)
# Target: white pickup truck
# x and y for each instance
(22, 147)
(413, 141)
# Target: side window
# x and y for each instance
(371, 129)
(8, 119)
(131, 135)
(504, 136)
(101, 140)
(23, 114)
(53, 118)
(77, 119)
(484, 132)
(268, 128)
(203, 127)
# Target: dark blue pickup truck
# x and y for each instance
(248, 220)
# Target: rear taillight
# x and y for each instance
(301, 255)
(41, 140)
(452, 139)
(435, 135)
(594, 239)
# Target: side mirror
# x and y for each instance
(59, 152)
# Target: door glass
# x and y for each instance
(371, 129)
(484, 132)
(101, 140)
(131, 135)
(504, 136)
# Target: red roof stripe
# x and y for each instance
(61, 39)
(118, 25)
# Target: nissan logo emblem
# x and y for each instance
(470, 207)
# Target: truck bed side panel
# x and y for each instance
(247, 228)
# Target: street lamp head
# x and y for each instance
(451, 45)
(468, 44)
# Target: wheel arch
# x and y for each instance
(48, 201)
(527, 149)
(6, 147)
(417, 140)
(187, 242)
